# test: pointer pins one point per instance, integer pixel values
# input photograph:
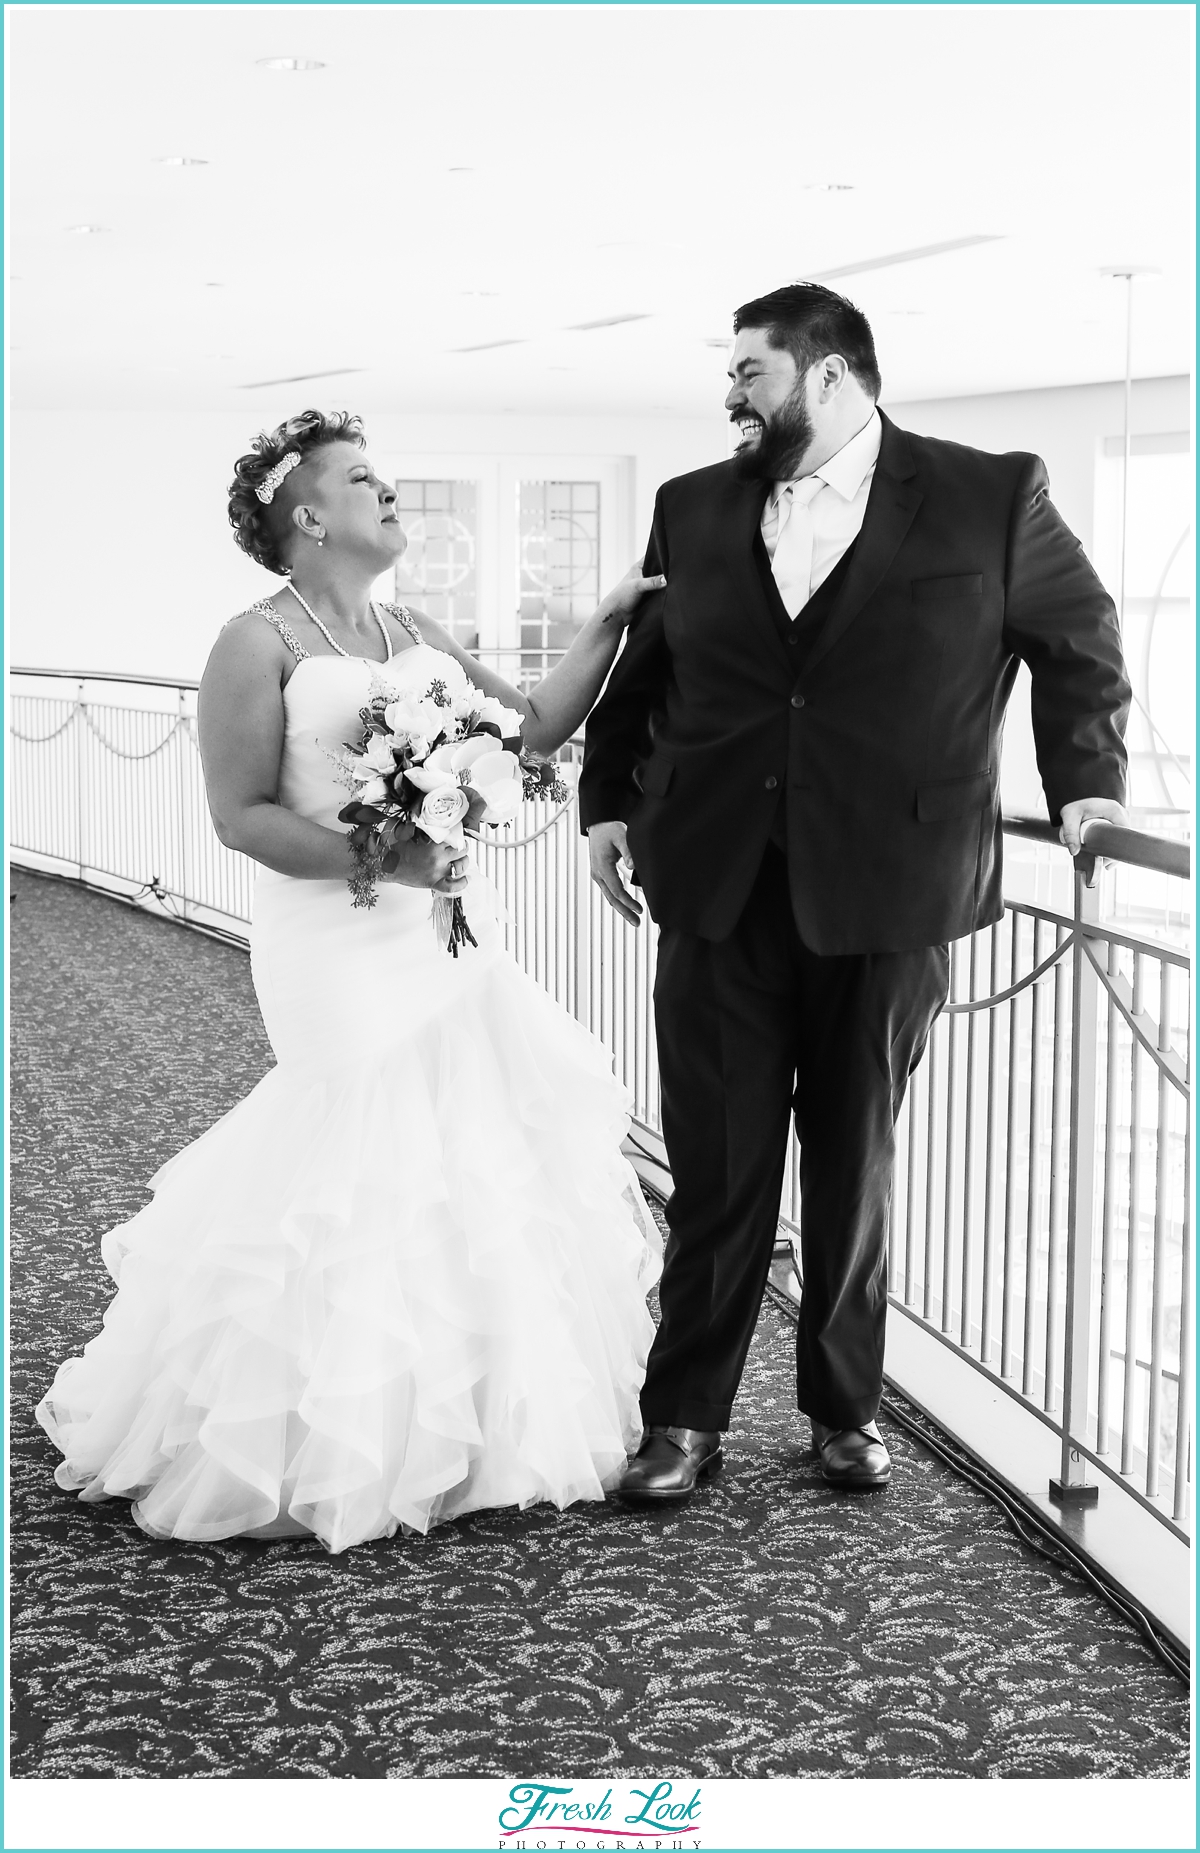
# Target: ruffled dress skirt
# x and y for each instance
(403, 1280)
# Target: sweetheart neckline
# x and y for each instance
(370, 661)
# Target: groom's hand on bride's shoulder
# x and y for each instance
(607, 849)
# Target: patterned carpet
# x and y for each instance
(772, 1628)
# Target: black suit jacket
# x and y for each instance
(883, 732)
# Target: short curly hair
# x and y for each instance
(260, 528)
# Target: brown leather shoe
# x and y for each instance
(853, 1458)
(666, 1467)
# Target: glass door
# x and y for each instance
(511, 553)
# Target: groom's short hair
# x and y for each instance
(810, 321)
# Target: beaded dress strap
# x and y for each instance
(285, 630)
(404, 617)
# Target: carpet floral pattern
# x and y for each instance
(772, 1628)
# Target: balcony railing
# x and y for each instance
(1040, 1231)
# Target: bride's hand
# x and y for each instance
(618, 606)
(430, 865)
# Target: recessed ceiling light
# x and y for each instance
(903, 257)
(290, 64)
(179, 160)
(608, 321)
(460, 170)
(722, 341)
(827, 186)
(82, 231)
(294, 379)
(214, 286)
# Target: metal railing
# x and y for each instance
(1040, 1222)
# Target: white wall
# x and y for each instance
(121, 558)
(120, 553)
(1064, 425)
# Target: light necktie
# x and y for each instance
(793, 556)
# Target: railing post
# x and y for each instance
(1072, 1487)
(81, 785)
(185, 783)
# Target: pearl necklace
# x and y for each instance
(332, 641)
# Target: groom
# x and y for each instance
(799, 753)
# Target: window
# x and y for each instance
(511, 552)
(559, 529)
(438, 570)
(1158, 633)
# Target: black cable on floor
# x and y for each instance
(150, 890)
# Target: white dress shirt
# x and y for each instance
(824, 513)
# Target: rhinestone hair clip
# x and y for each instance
(265, 490)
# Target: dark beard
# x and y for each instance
(785, 438)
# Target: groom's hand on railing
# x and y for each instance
(607, 849)
(1083, 811)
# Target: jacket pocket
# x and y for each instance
(956, 585)
(940, 799)
(657, 774)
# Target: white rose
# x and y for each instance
(508, 720)
(466, 755)
(402, 716)
(379, 754)
(431, 719)
(498, 779)
(441, 814)
(430, 777)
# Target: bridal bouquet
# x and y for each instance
(439, 761)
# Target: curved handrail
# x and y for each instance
(108, 675)
(1114, 842)
(968, 1006)
(1122, 997)
(1139, 848)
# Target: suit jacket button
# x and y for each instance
(797, 701)
(771, 784)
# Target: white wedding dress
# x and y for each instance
(406, 1277)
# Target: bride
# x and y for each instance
(406, 1277)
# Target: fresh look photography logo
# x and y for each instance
(662, 1815)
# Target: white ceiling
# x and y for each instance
(664, 162)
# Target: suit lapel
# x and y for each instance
(893, 501)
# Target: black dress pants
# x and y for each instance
(751, 1028)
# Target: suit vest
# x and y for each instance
(800, 634)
